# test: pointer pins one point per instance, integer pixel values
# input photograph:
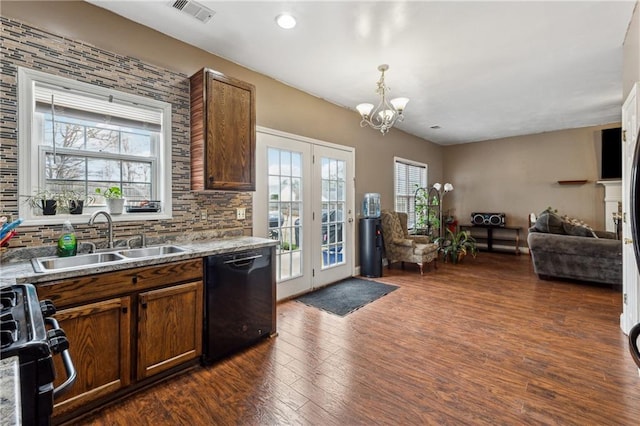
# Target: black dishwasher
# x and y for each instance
(240, 301)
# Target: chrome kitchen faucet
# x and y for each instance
(110, 223)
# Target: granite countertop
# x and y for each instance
(10, 391)
(23, 272)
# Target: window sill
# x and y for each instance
(60, 218)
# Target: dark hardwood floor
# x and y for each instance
(483, 342)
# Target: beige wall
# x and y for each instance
(631, 52)
(278, 106)
(520, 175)
(514, 175)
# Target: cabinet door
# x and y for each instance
(99, 343)
(169, 327)
(223, 135)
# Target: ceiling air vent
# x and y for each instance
(198, 11)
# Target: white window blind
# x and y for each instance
(99, 108)
(409, 176)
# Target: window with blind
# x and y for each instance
(78, 137)
(409, 176)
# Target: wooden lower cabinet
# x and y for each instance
(99, 335)
(124, 328)
(169, 327)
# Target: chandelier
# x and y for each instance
(387, 113)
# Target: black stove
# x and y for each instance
(28, 332)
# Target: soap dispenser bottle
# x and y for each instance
(67, 243)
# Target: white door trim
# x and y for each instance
(630, 275)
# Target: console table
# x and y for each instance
(487, 236)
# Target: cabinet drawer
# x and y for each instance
(72, 291)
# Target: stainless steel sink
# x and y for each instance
(53, 263)
(151, 251)
(44, 264)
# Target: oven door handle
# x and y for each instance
(70, 370)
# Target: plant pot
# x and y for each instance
(49, 207)
(115, 205)
(76, 206)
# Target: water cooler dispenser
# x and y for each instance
(371, 237)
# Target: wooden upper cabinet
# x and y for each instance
(223, 133)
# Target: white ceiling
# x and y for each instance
(480, 70)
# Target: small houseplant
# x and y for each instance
(457, 245)
(74, 201)
(45, 200)
(113, 198)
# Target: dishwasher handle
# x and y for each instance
(243, 261)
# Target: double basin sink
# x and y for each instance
(53, 263)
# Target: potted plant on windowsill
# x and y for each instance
(74, 201)
(45, 200)
(457, 245)
(113, 198)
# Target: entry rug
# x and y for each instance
(346, 296)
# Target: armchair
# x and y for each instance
(401, 247)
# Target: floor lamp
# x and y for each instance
(441, 191)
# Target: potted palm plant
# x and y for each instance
(113, 198)
(457, 245)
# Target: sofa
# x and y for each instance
(401, 247)
(562, 249)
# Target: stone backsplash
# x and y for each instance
(26, 46)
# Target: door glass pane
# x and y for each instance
(285, 210)
(333, 207)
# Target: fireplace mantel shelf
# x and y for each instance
(573, 182)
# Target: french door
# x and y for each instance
(304, 199)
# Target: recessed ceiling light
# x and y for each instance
(286, 21)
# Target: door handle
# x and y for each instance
(628, 241)
(350, 220)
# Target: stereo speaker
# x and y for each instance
(488, 219)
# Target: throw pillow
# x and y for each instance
(574, 221)
(549, 222)
(581, 223)
(577, 230)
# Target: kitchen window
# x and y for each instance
(78, 137)
(409, 176)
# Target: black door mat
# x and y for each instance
(346, 296)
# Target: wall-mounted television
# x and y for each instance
(611, 164)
